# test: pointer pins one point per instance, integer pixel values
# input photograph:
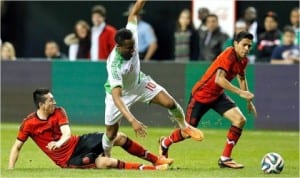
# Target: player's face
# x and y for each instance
(243, 47)
(127, 49)
(49, 105)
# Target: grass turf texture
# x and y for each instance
(192, 158)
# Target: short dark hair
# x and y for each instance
(289, 29)
(122, 35)
(38, 96)
(99, 9)
(243, 34)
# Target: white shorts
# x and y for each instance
(144, 92)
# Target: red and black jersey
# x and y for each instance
(44, 131)
(206, 90)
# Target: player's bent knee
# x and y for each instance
(120, 139)
(240, 122)
(111, 133)
(170, 104)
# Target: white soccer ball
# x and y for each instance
(272, 163)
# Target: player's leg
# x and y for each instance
(106, 163)
(112, 119)
(227, 108)
(86, 151)
(154, 93)
(108, 138)
(175, 110)
(194, 113)
(138, 150)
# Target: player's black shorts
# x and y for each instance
(195, 110)
(88, 148)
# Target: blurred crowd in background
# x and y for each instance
(94, 39)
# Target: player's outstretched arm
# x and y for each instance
(138, 6)
(244, 86)
(14, 154)
(138, 127)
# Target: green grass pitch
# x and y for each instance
(192, 158)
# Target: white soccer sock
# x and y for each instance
(223, 158)
(178, 114)
(107, 144)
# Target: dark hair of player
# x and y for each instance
(38, 96)
(122, 35)
(243, 34)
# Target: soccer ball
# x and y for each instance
(272, 163)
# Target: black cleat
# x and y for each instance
(162, 151)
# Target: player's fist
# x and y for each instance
(246, 95)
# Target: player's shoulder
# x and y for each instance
(115, 59)
(228, 54)
(60, 109)
(30, 116)
(229, 51)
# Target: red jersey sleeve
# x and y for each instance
(62, 117)
(24, 131)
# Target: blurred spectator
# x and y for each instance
(79, 42)
(250, 17)
(186, 38)
(212, 40)
(102, 35)
(202, 13)
(241, 25)
(8, 51)
(52, 51)
(269, 39)
(295, 22)
(147, 43)
(288, 52)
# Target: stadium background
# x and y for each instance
(29, 24)
(78, 86)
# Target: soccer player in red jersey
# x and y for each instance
(208, 93)
(49, 128)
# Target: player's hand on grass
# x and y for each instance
(139, 128)
(251, 108)
(246, 95)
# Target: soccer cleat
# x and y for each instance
(162, 167)
(163, 160)
(162, 150)
(229, 163)
(193, 132)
